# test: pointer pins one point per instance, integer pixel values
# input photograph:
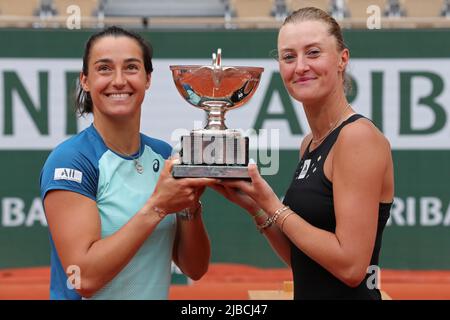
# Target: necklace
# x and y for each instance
(137, 164)
(318, 141)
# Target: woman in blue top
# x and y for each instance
(108, 192)
(329, 226)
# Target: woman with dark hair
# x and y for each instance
(329, 226)
(108, 192)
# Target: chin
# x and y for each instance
(308, 95)
(122, 112)
(305, 97)
(302, 93)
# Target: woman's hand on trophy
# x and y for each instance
(258, 190)
(238, 197)
(172, 195)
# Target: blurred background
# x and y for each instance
(400, 73)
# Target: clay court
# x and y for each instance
(233, 282)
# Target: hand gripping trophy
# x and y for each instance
(214, 151)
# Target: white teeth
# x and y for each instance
(119, 95)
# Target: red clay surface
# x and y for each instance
(232, 282)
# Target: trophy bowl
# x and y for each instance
(215, 150)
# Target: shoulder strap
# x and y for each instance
(333, 136)
(306, 151)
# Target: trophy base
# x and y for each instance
(210, 171)
(215, 148)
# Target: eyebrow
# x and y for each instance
(107, 60)
(312, 44)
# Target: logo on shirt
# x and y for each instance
(155, 165)
(305, 168)
(68, 174)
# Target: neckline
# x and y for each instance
(308, 151)
(133, 156)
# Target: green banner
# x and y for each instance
(402, 87)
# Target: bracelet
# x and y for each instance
(284, 219)
(271, 220)
(187, 215)
(278, 212)
(161, 213)
(264, 225)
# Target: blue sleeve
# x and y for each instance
(69, 168)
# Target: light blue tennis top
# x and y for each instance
(85, 165)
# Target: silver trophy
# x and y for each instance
(214, 151)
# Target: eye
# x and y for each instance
(313, 53)
(132, 67)
(103, 68)
(288, 58)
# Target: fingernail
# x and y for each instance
(251, 161)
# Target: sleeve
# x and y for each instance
(69, 169)
(166, 149)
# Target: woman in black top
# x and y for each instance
(330, 224)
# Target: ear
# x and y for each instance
(149, 81)
(343, 60)
(83, 82)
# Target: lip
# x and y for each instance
(304, 79)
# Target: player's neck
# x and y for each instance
(121, 135)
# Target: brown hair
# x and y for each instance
(316, 14)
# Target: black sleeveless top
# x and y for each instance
(310, 195)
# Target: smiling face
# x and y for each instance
(310, 63)
(117, 78)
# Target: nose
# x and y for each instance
(119, 79)
(301, 65)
